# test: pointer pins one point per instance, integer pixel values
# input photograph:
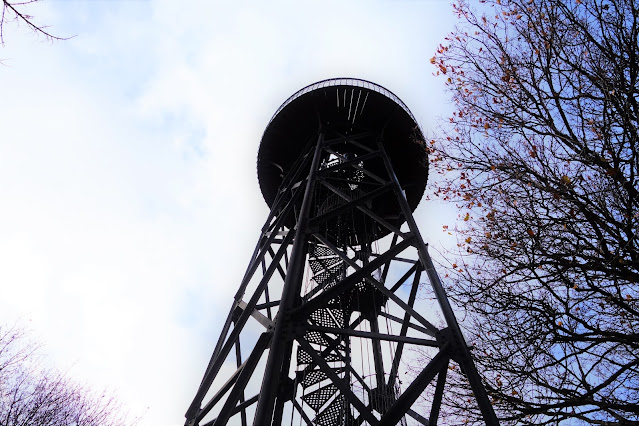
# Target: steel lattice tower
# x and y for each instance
(325, 316)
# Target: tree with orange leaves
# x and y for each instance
(542, 157)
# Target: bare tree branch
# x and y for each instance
(15, 11)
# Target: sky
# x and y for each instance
(129, 197)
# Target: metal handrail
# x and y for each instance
(345, 81)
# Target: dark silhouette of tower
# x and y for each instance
(325, 317)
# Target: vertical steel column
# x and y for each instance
(238, 363)
(377, 357)
(290, 294)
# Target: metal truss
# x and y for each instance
(333, 280)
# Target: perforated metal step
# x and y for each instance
(319, 397)
(304, 357)
(335, 414)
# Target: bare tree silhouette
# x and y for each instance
(542, 158)
(33, 395)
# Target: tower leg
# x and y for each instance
(275, 366)
(465, 358)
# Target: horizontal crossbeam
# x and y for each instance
(376, 336)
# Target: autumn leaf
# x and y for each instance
(466, 217)
(565, 179)
(530, 232)
(468, 240)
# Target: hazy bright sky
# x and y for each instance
(129, 197)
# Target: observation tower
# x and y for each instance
(326, 320)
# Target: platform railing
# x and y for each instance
(344, 81)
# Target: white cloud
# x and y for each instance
(127, 167)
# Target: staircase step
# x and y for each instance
(319, 397)
(312, 377)
(335, 414)
(304, 357)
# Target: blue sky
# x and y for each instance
(130, 203)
